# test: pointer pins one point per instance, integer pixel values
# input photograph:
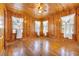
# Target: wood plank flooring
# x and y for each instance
(42, 47)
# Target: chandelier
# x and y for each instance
(41, 9)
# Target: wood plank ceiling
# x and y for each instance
(28, 8)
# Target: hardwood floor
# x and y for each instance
(42, 47)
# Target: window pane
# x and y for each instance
(17, 24)
(37, 27)
(1, 27)
(45, 27)
(68, 26)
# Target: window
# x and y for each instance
(17, 24)
(45, 27)
(1, 22)
(1, 27)
(68, 26)
(37, 27)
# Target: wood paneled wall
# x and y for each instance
(28, 26)
(9, 36)
(2, 30)
(55, 24)
(8, 26)
(77, 25)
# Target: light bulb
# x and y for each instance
(40, 11)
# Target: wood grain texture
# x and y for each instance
(54, 39)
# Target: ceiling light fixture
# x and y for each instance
(41, 9)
